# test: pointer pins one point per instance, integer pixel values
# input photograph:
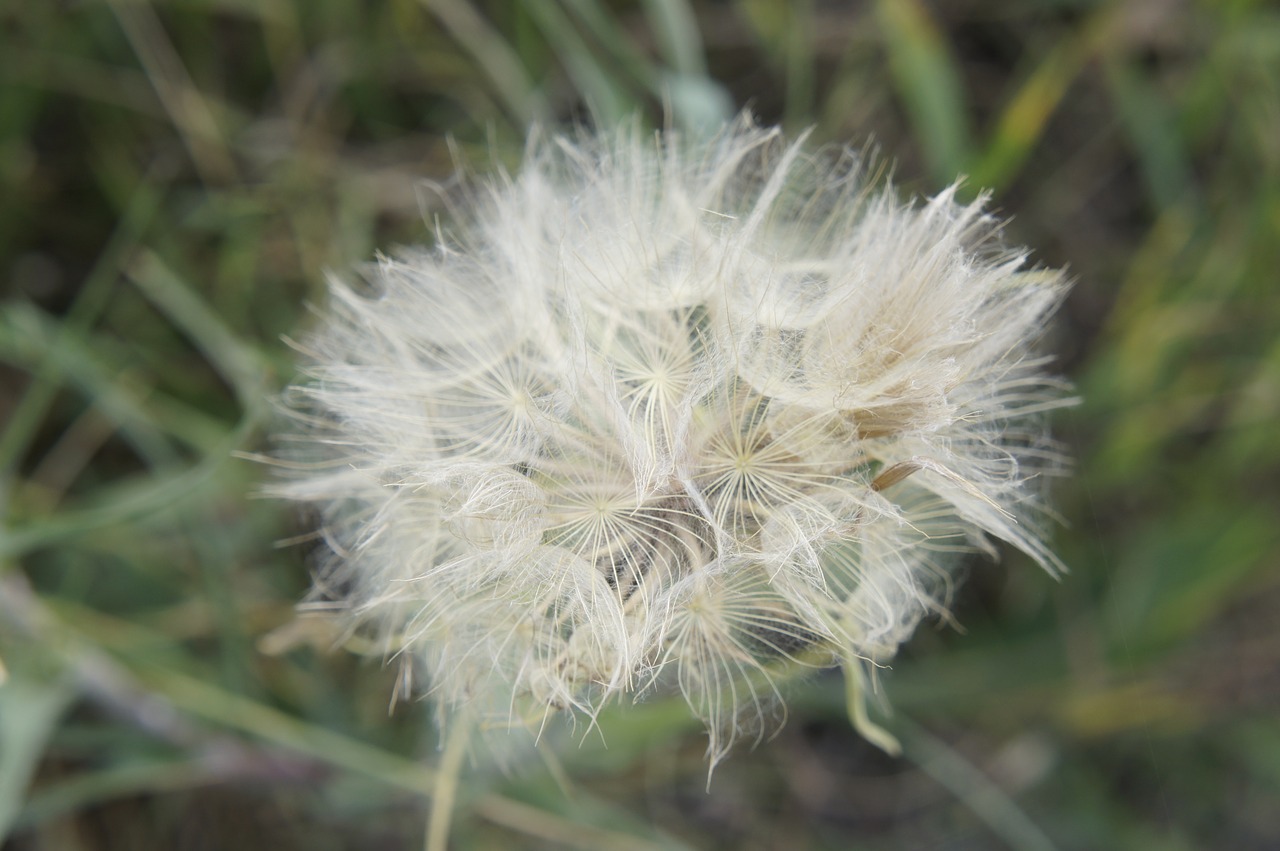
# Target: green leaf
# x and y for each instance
(929, 83)
(29, 713)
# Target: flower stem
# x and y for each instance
(446, 788)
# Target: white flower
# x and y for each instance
(656, 412)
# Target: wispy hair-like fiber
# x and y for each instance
(658, 413)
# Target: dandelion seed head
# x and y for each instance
(658, 413)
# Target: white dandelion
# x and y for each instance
(656, 413)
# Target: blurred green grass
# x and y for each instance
(180, 175)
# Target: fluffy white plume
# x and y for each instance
(656, 413)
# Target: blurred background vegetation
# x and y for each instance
(177, 177)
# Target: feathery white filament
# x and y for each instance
(667, 412)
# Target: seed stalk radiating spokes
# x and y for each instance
(656, 413)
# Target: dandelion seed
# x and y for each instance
(665, 414)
